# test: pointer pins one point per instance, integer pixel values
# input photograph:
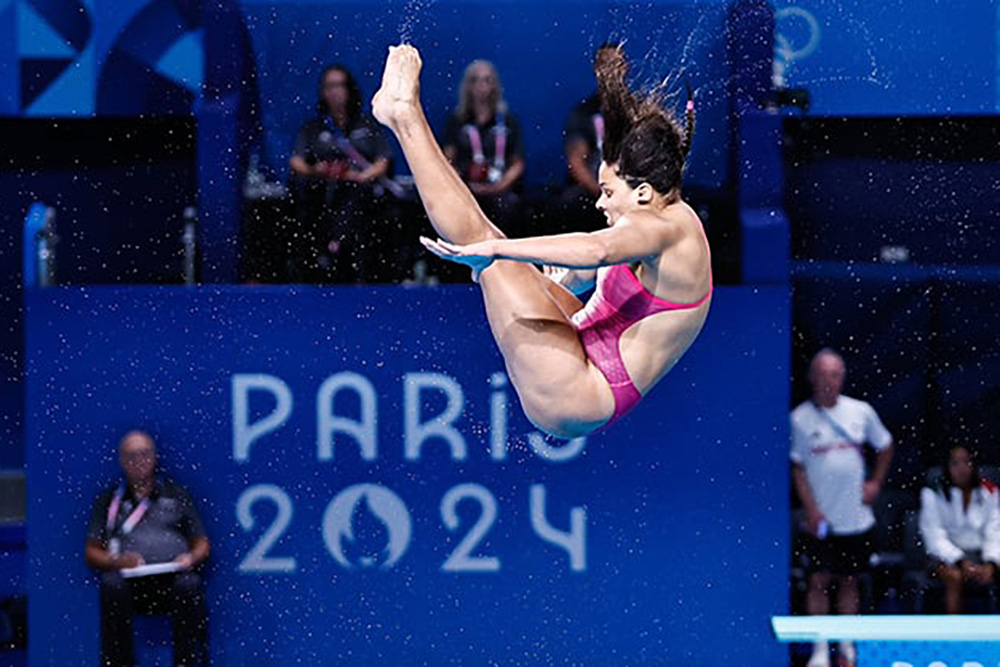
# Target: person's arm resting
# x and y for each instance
(936, 540)
(301, 167)
(376, 169)
(98, 557)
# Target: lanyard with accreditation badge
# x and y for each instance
(114, 544)
(359, 161)
(837, 428)
(494, 172)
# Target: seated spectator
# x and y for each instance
(960, 526)
(574, 209)
(339, 164)
(483, 142)
(145, 520)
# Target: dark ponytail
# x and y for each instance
(640, 136)
(619, 105)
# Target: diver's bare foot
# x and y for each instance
(399, 97)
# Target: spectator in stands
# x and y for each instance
(483, 142)
(145, 521)
(960, 526)
(828, 468)
(584, 131)
(339, 167)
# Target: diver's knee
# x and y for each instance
(559, 423)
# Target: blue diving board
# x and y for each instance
(887, 628)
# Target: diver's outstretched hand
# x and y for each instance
(477, 256)
(400, 91)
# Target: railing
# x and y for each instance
(190, 240)
(40, 241)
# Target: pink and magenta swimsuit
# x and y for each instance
(618, 302)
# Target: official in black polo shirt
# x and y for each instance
(340, 169)
(141, 523)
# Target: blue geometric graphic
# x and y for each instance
(8, 58)
(69, 18)
(37, 74)
(160, 56)
(72, 93)
(52, 35)
(39, 39)
(184, 62)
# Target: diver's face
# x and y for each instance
(617, 198)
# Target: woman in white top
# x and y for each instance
(960, 525)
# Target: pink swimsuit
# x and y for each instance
(618, 302)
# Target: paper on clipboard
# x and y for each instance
(149, 570)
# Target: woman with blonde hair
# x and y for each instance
(483, 142)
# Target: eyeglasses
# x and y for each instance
(137, 456)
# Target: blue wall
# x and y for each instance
(100, 57)
(160, 56)
(685, 502)
(897, 264)
(920, 344)
(84, 57)
(97, 57)
(542, 51)
(894, 57)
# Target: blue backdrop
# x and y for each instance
(374, 495)
(542, 51)
(895, 57)
(85, 57)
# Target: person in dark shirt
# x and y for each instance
(584, 141)
(483, 142)
(340, 166)
(144, 521)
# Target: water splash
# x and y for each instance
(667, 70)
(675, 83)
(413, 12)
(669, 64)
(787, 54)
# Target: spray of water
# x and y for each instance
(669, 66)
(672, 64)
(413, 12)
(787, 53)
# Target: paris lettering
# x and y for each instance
(370, 525)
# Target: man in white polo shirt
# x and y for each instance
(828, 469)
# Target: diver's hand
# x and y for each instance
(476, 256)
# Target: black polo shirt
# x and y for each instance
(580, 127)
(317, 140)
(456, 136)
(165, 531)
